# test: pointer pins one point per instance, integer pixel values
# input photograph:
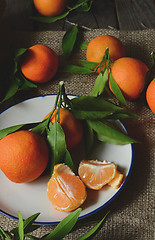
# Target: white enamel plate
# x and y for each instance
(30, 198)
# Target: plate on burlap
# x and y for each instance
(30, 198)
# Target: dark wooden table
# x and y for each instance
(115, 14)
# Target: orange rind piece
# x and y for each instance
(117, 180)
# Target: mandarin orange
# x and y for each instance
(50, 8)
(150, 95)
(129, 74)
(97, 46)
(23, 156)
(39, 63)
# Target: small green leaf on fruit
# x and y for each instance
(117, 91)
(87, 64)
(83, 45)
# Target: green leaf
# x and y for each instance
(56, 140)
(88, 139)
(85, 115)
(123, 115)
(92, 103)
(89, 65)
(50, 19)
(20, 226)
(68, 160)
(107, 132)
(75, 69)
(12, 90)
(41, 127)
(19, 52)
(93, 230)
(27, 225)
(4, 234)
(100, 83)
(26, 84)
(83, 45)
(69, 40)
(64, 227)
(86, 7)
(8, 130)
(78, 4)
(117, 91)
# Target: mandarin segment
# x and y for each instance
(65, 190)
(95, 174)
(23, 156)
(72, 127)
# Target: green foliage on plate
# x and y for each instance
(97, 115)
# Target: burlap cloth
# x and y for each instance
(132, 211)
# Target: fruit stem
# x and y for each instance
(61, 85)
(153, 58)
(60, 98)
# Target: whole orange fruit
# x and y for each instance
(97, 46)
(150, 95)
(23, 156)
(39, 63)
(65, 190)
(72, 127)
(129, 74)
(49, 8)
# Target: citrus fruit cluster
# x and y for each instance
(129, 73)
(25, 154)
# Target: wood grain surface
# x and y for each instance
(104, 14)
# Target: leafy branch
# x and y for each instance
(80, 5)
(94, 111)
(13, 79)
(101, 82)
